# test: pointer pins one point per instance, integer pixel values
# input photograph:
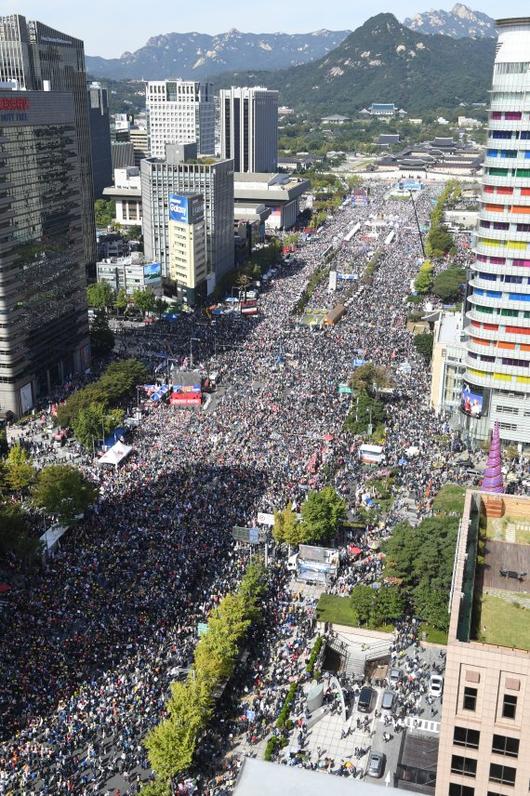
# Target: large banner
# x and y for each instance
(471, 400)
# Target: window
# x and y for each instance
(509, 706)
(460, 790)
(463, 765)
(503, 745)
(463, 736)
(470, 698)
(502, 774)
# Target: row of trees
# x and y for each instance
(439, 240)
(424, 278)
(101, 297)
(321, 517)
(171, 744)
(421, 559)
(94, 410)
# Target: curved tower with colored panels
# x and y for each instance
(497, 379)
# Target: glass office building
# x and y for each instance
(497, 377)
(43, 313)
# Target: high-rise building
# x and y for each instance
(187, 246)
(485, 733)
(40, 58)
(140, 141)
(497, 376)
(44, 328)
(182, 173)
(180, 112)
(249, 128)
(100, 138)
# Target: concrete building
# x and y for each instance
(485, 732)
(249, 128)
(180, 111)
(181, 173)
(140, 140)
(41, 58)
(335, 119)
(44, 329)
(498, 302)
(187, 247)
(127, 194)
(98, 106)
(279, 192)
(447, 366)
(130, 273)
(122, 155)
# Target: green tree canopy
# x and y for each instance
(287, 527)
(145, 300)
(121, 300)
(364, 411)
(105, 212)
(423, 344)
(448, 284)
(94, 422)
(101, 335)
(19, 471)
(15, 536)
(63, 491)
(370, 378)
(100, 295)
(322, 514)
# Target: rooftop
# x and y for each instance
(493, 572)
(450, 328)
(270, 779)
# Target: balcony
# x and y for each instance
(495, 351)
(500, 303)
(491, 268)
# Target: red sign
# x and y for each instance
(14, 104)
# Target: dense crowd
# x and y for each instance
(90, 646)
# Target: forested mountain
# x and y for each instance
(384, 61)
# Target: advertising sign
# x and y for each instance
(471, 401)
(152, 273)
(179, 208)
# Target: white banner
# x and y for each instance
(265, 519)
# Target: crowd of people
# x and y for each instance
(89, 646)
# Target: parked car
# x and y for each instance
(394, 676)
(376, 764)
(387, 701)
(366, 696)
(436, 685)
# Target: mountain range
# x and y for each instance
(194, 56)
(383, 61)
(199, 55)
(459, 22)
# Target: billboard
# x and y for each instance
(184, 208)
(471, 401)
(152, 273)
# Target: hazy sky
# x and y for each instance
(109, 27)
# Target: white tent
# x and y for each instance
(116, 454)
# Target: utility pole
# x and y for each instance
(417, 223)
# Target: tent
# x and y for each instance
(116, 454)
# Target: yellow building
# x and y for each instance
(187, 246)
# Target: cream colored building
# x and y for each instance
(447, 365)
(485, 732)
(187, 246)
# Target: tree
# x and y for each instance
(95, 421)
(160, 307)
(62, 490)
(134, 232)
(449, 283)
(287, 527)
(100, 295)
(388, 605)
(440, 241)
(156, 788)
(105, 212)
(362, 600)
(121, 300)
(144, 300)
(424, 280)
(101, 335)
(423, 344)
(370, 378)
(365, 411)
(322, 514)
(19, 469)
(15, 536)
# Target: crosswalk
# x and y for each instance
(425, 725)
